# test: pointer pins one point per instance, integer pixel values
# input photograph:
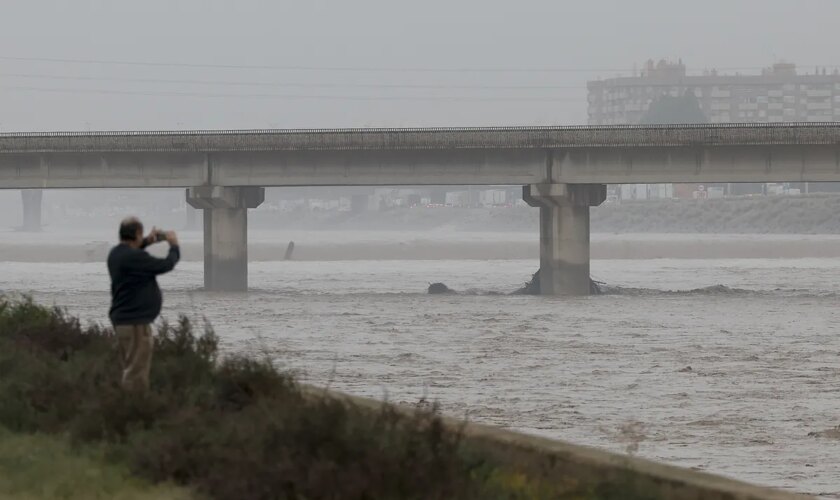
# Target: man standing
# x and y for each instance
(136, 299)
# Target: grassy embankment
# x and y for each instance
(38, 466)
(229, 428)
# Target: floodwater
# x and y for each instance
(728, 379)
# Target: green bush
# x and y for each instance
(233, 428)
(37, 467)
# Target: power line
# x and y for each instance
(360, 69)
(343, 68)
(306, 68)
(288, 96)
(290, 84)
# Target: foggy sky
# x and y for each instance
(585, 39)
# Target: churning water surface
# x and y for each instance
(729, 379)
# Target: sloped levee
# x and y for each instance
(540, 465)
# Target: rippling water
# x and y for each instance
(728, 379)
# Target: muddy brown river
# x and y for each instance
(721, 365)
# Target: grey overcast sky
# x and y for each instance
(336, 63)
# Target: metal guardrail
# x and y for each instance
(423, 138)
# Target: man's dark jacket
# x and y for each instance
(135, 295)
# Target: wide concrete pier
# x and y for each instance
(564, 169)
(225, 233)
(564, 234)
(32, 199)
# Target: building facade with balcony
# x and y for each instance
(779, 94)
(663, 92)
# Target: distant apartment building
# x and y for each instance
(779, 93)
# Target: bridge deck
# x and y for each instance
(424, 138)
(807, 152)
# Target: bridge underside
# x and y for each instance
(564, 170)
(616, 165)
(564, 234)
(563, 183)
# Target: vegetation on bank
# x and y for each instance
(38, 466)
(230, 428)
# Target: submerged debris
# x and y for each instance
(532, 287)
(439, 288)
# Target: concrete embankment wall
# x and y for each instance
(616, 476)
(606, 475)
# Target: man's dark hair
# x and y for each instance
(129, 228)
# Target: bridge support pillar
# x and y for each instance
(225, 233)
(564, 234)
(192, 218)
(31, 209)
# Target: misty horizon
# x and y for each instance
(214, 65)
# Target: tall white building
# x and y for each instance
(778, 94)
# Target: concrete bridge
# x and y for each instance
(564, 171)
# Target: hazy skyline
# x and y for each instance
(361, 58)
